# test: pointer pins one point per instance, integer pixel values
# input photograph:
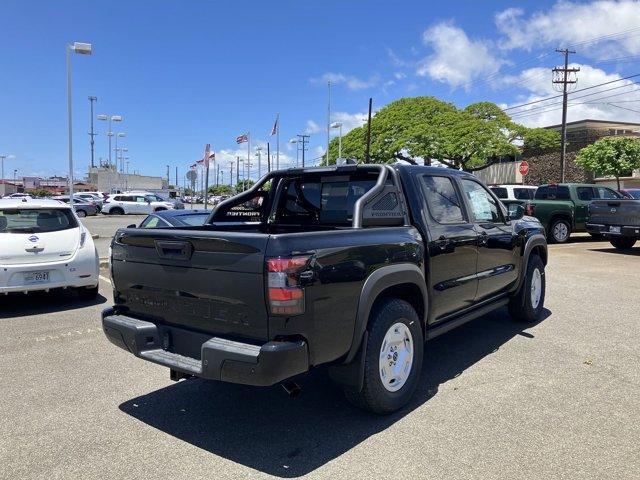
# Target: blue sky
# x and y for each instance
(186, 73)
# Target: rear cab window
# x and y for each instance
(36, 220)
(523, 193)
(442, 198)
(501, 192)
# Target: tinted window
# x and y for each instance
(562, 193)
(483, 206)
(585, 193)
(523, 193)
(34, 220)
(150, 222)
(607, 193)
(501, 192)
(634, 193)
(442, 199)
(541, 193)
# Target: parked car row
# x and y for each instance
(564, 208)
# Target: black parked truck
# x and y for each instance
(349, 266)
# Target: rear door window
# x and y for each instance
(607, 193)
(562, 193)
(542, 193)
(442, 198)
(501, 192)
(585, 193)
(524, 193)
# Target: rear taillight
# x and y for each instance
(529, 209)
(285, 292)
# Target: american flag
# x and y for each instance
(275, 128)
(242, 138)
(207, 154)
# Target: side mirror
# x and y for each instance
(516, 212)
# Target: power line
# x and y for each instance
(575, 91)
(624, 108)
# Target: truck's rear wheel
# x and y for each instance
(393, 358)
(623, 243)
(527, 305)
(560, 230)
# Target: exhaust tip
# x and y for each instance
(292, 388)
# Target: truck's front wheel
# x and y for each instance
(527, 305)
(393, 358)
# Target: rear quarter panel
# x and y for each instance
(342, 261)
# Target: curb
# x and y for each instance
(104, 263)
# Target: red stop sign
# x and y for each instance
(524, 168)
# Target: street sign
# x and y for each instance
(192, 176)
(524, 168)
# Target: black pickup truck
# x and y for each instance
(352, 266)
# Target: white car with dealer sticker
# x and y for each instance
(44, 246)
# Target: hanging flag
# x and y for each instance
(275, 128)
(207, 153)
(242, 138)
(194, 166)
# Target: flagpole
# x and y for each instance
(248, 158)
(278, 141)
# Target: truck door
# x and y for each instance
(452, 245)
(497, 253)
(583, 197)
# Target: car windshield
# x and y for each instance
(36, 220)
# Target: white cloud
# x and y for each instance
(349, 120)
(568, 23)
(592, 105)
(351, 82)
(456, 59)
(312, 127)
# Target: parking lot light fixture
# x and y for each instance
(339, 126)
(294, 141)
(110, 118)
(81, 49)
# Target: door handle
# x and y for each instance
(483, 238)
(443, 242)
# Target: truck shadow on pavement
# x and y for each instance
(37, 303)
(265, 430)
(632, 251)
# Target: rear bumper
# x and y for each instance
(219, 358)
(603, 229)
(80, 271)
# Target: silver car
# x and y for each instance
(82, 207)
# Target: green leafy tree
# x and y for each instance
(424, 127)
(220, 190)
(243, 185)
(615, 156)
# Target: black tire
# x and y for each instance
(88, 293)
(623, 243)
(374, 396)
(116, 211)
(81, 213)
(159, 209)
(521, 306)
(557, 229)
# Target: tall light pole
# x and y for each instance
(339, 126)
(91, 134)
(81, 49)
(294, 141)
(2, 157)
(119, 135)
(259, 155)
(110, 118)
(328, 119)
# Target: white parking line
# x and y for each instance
(105, 279)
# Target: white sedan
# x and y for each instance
(44, 246)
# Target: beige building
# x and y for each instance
(109, 180)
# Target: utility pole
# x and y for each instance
(304, 139)
(91, 134)
(168, 181)
(268, 157)
(561, 77)
(231, 174)
(368, 144)
(259, 155)
(2, 157)
(328, 121)
(177, 186)
(237, 172)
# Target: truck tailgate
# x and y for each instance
(208, 281)
(623, 212)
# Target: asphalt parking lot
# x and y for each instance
(559, 399)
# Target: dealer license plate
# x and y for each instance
(614, 229)
(36, 277)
